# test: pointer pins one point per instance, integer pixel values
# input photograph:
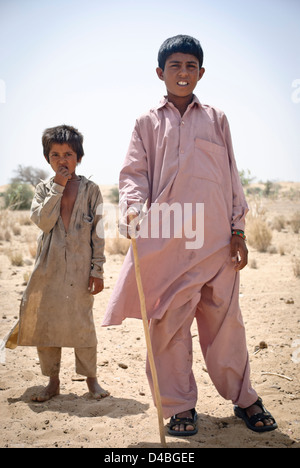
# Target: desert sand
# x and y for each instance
(270, 301)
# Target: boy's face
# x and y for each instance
(181, 74)
(62, 155)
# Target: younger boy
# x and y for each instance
(181, 160)
(56, 309)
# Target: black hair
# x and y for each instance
(63, 134)
(180, 43)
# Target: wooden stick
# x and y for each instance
(277, 375)
(148, 342)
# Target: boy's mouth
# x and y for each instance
(182, 83)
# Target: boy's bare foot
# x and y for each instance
(48, 392)
(95, 390)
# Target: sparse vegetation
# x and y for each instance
(296, 268)
(17, 259)
(259, 235)
(114, 195)
(119, 245)
(28, 175)
(246, 177)
(253, 264)
(295, 222)
(278, 223)
(271, 189)
(18, 196)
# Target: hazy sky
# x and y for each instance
(91, 64)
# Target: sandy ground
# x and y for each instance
(270, 300)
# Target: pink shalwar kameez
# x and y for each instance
(186, 160)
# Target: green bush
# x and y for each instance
(114, 195)
(18, 196)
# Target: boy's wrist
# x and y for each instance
(57, 188)
(239, 233)
(133, 210)
(60, 181)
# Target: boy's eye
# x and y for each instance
(56, 155)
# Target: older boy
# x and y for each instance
(181, 155)
(56, 309)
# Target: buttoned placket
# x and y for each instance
(181, 144)
(182, 148)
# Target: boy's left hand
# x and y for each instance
(239, 252)
(96, 285)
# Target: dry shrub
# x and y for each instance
(7, 236)
(5, 225)
(253, 264)
(24, 219)
(296, 268)
(4, 218)
(278, 223)
(16, 229)
(258, 233)
(26, 277)
(17, 259)
(295, 222)
(32, 249)
(118, 245)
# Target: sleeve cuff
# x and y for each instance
(56, 188)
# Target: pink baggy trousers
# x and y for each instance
(223, 342)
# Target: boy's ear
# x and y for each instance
(201, 73)
(47, 159)
(160, 73)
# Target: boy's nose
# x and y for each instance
(62, 160)
(183, 71)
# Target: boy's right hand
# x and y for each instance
(132, 223)
(62, 176)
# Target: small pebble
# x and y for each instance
(123, 366)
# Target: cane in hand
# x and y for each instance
(147, 337)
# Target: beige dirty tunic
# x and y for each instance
(56, 309)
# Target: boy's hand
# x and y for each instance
(62, 176)
(132, 223)
(239, 252)
(96, 285)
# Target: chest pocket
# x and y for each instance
(210, 161)
(87, 222)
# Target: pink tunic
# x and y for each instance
(185, 161)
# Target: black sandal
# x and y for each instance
(259, 417)
(176, 421)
